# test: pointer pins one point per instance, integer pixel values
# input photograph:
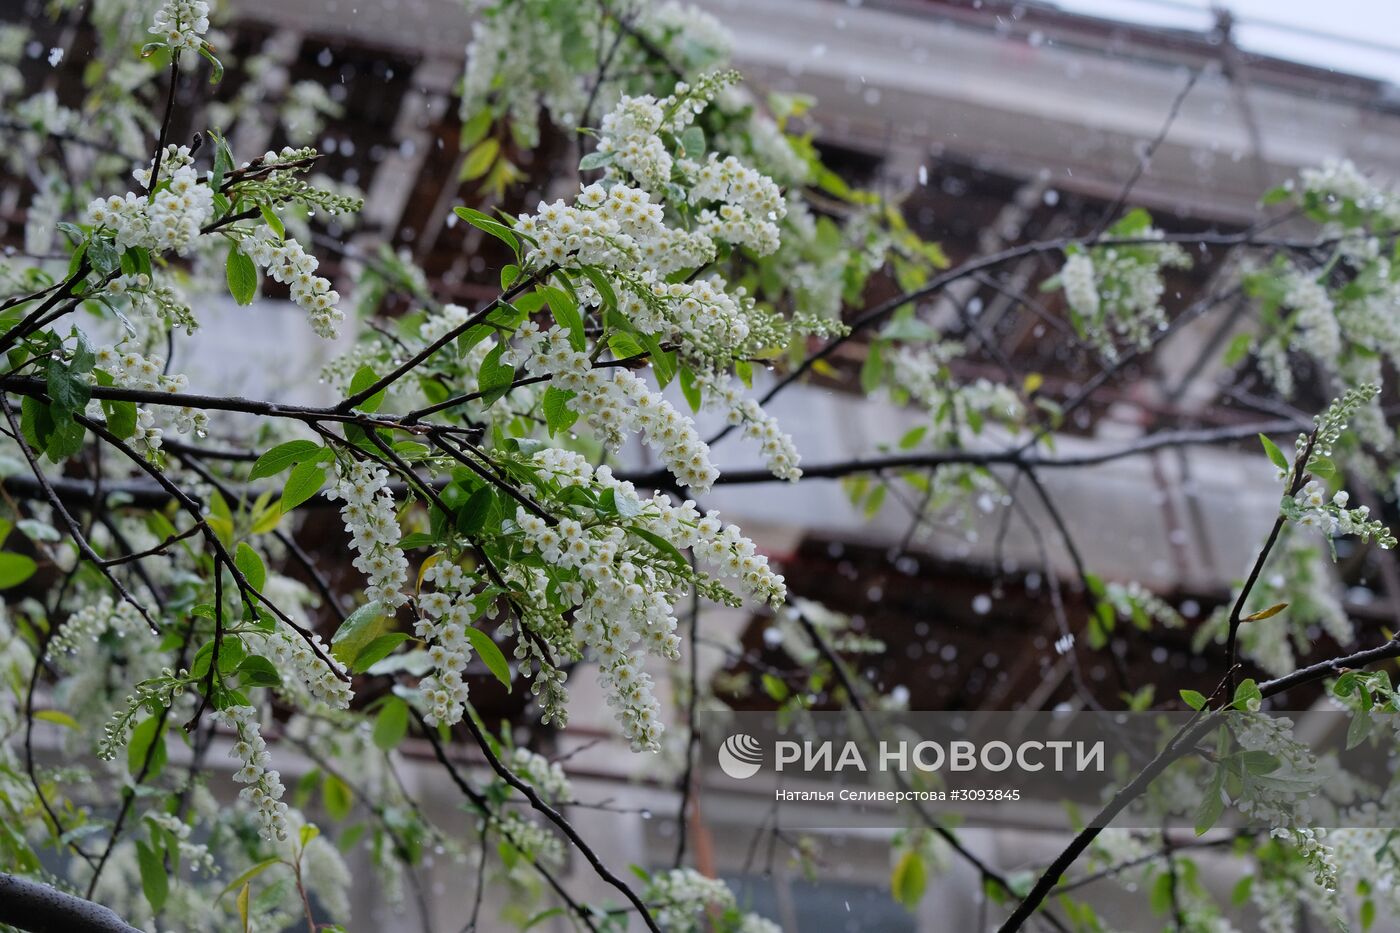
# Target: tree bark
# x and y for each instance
(38, 908)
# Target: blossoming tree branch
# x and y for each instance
(155, 606)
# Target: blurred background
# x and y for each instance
(997, 123)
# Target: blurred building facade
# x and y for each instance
(1001, 123)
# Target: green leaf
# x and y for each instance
(391, 725)
(65, 440)
(509, 273)
(363, 379)
(595, 160)
(69, 393)
(103, 256)
(604, 287)
(476, 128)
(250, 565)
(1193, 699)
(1212, 804)
(909, 879)
(912, 437)
(1275, 196)
(494, 378)
(663, 363)
(242, 276)
(258, 671)
(377, 650)
(472, 516)
(664, 547)
(1246, 692)
(558, 416)
(693, 142)
(872, 369)
(480, 159)
(15, 569)
(58, 717)
(1238, 349)
(154, 882)
(306, 480)
(270, 218)
(624, 346)
(147, 740)
(250, 874)
(542, 916)
(360, 628)
(565, 311)
(489, 225)
(690, 389)
(282, 456)
(490, 654)
(241, 902)
(121, 417)
(337, 797)
(1359, 728)
(1275, 455)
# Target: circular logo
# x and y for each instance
(740, 756)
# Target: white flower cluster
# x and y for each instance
(290, 265)
(181, 24)
(706, 321)
(1081, 285)
(530, 837)
(90, 622)
(520, 59)
(616, 402)
(194, 854)
(445, 614)
(293, 656)
(369, 516)
(545, 776)
(1317, 329)
(1136, 602)
(264, 790)
(779, 452)
(682, 898)
(1339, 181)
(1312, 509)
(629, 134)
(323, 871)
(157, 299)
(747, 204)
(1117, 291)
(171, 219)
(923, 373)
(619, 228)
(625, 593)
(763, 139)
(131, 370)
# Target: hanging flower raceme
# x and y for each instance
(445, 614)
(370, 519)
(289, 264)
(620, 588)
(264, 786)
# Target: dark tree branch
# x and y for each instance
(38, 908)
